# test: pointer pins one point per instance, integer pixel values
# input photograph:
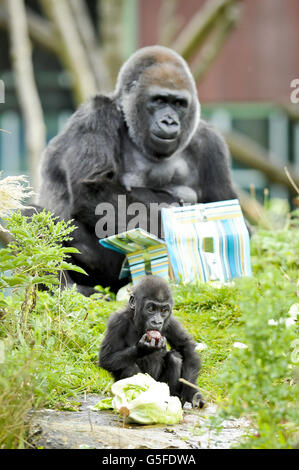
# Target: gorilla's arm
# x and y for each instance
(212, 154)
(182, 342)
(121, 347)
(115, 353)
(86, 150)
(89, 196)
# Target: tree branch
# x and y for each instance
(168, 22)
(195, 33)
(40, 30)
(211, 50)
(246, 151)
(253, 210)
(26, 87)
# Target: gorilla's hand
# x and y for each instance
(195, 398)
(147, 347)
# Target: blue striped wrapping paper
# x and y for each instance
(145, 253)
(188, 230)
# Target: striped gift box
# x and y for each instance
(207, 241)
(145, 253)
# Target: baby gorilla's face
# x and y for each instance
(155, 314)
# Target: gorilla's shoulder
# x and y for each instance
(207, 137)
(119, 317)
(207, 132)
(99, 112)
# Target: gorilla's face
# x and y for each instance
(158, 98)
(152, 303)
(165, 111)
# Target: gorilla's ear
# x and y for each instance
(132, 303)
(104, 176)
(132, 85)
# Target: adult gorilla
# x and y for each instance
(145, 141)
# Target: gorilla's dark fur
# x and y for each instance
(146, 140)
(125, 350)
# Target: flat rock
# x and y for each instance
(84, 429)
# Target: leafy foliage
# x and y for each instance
(35, 255)
(260, 378)
(278, 248)
(51, 338)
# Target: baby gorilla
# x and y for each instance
(135, 341)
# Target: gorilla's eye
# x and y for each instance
(165, 309)
(181, 103)
(150, 308)
(159, 100)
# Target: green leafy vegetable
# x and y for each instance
(145, 401)
(104, 404)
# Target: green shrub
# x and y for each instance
(259, 379)
(29, 346)
(35, 256)
(51, 339)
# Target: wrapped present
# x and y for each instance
(145, 253)
(207, 241)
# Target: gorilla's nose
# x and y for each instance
(168, 128)
(156, 324)
(168, 120)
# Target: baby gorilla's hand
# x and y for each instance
(198, 401)
(151, 341)
(191, 396)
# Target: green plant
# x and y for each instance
(13, 190)
(35, 255)
(51, 359)
(16, 399)
(278, 248)
(259, 378)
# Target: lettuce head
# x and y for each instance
(143, 400)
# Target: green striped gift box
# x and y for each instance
(145, 253)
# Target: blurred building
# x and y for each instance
(241, 91)
(249, 79)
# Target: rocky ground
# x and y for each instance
(86, 429)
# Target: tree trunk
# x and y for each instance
(111, 29)
(26, 87)
(90, 41)
(71, 52)
(40, 30)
